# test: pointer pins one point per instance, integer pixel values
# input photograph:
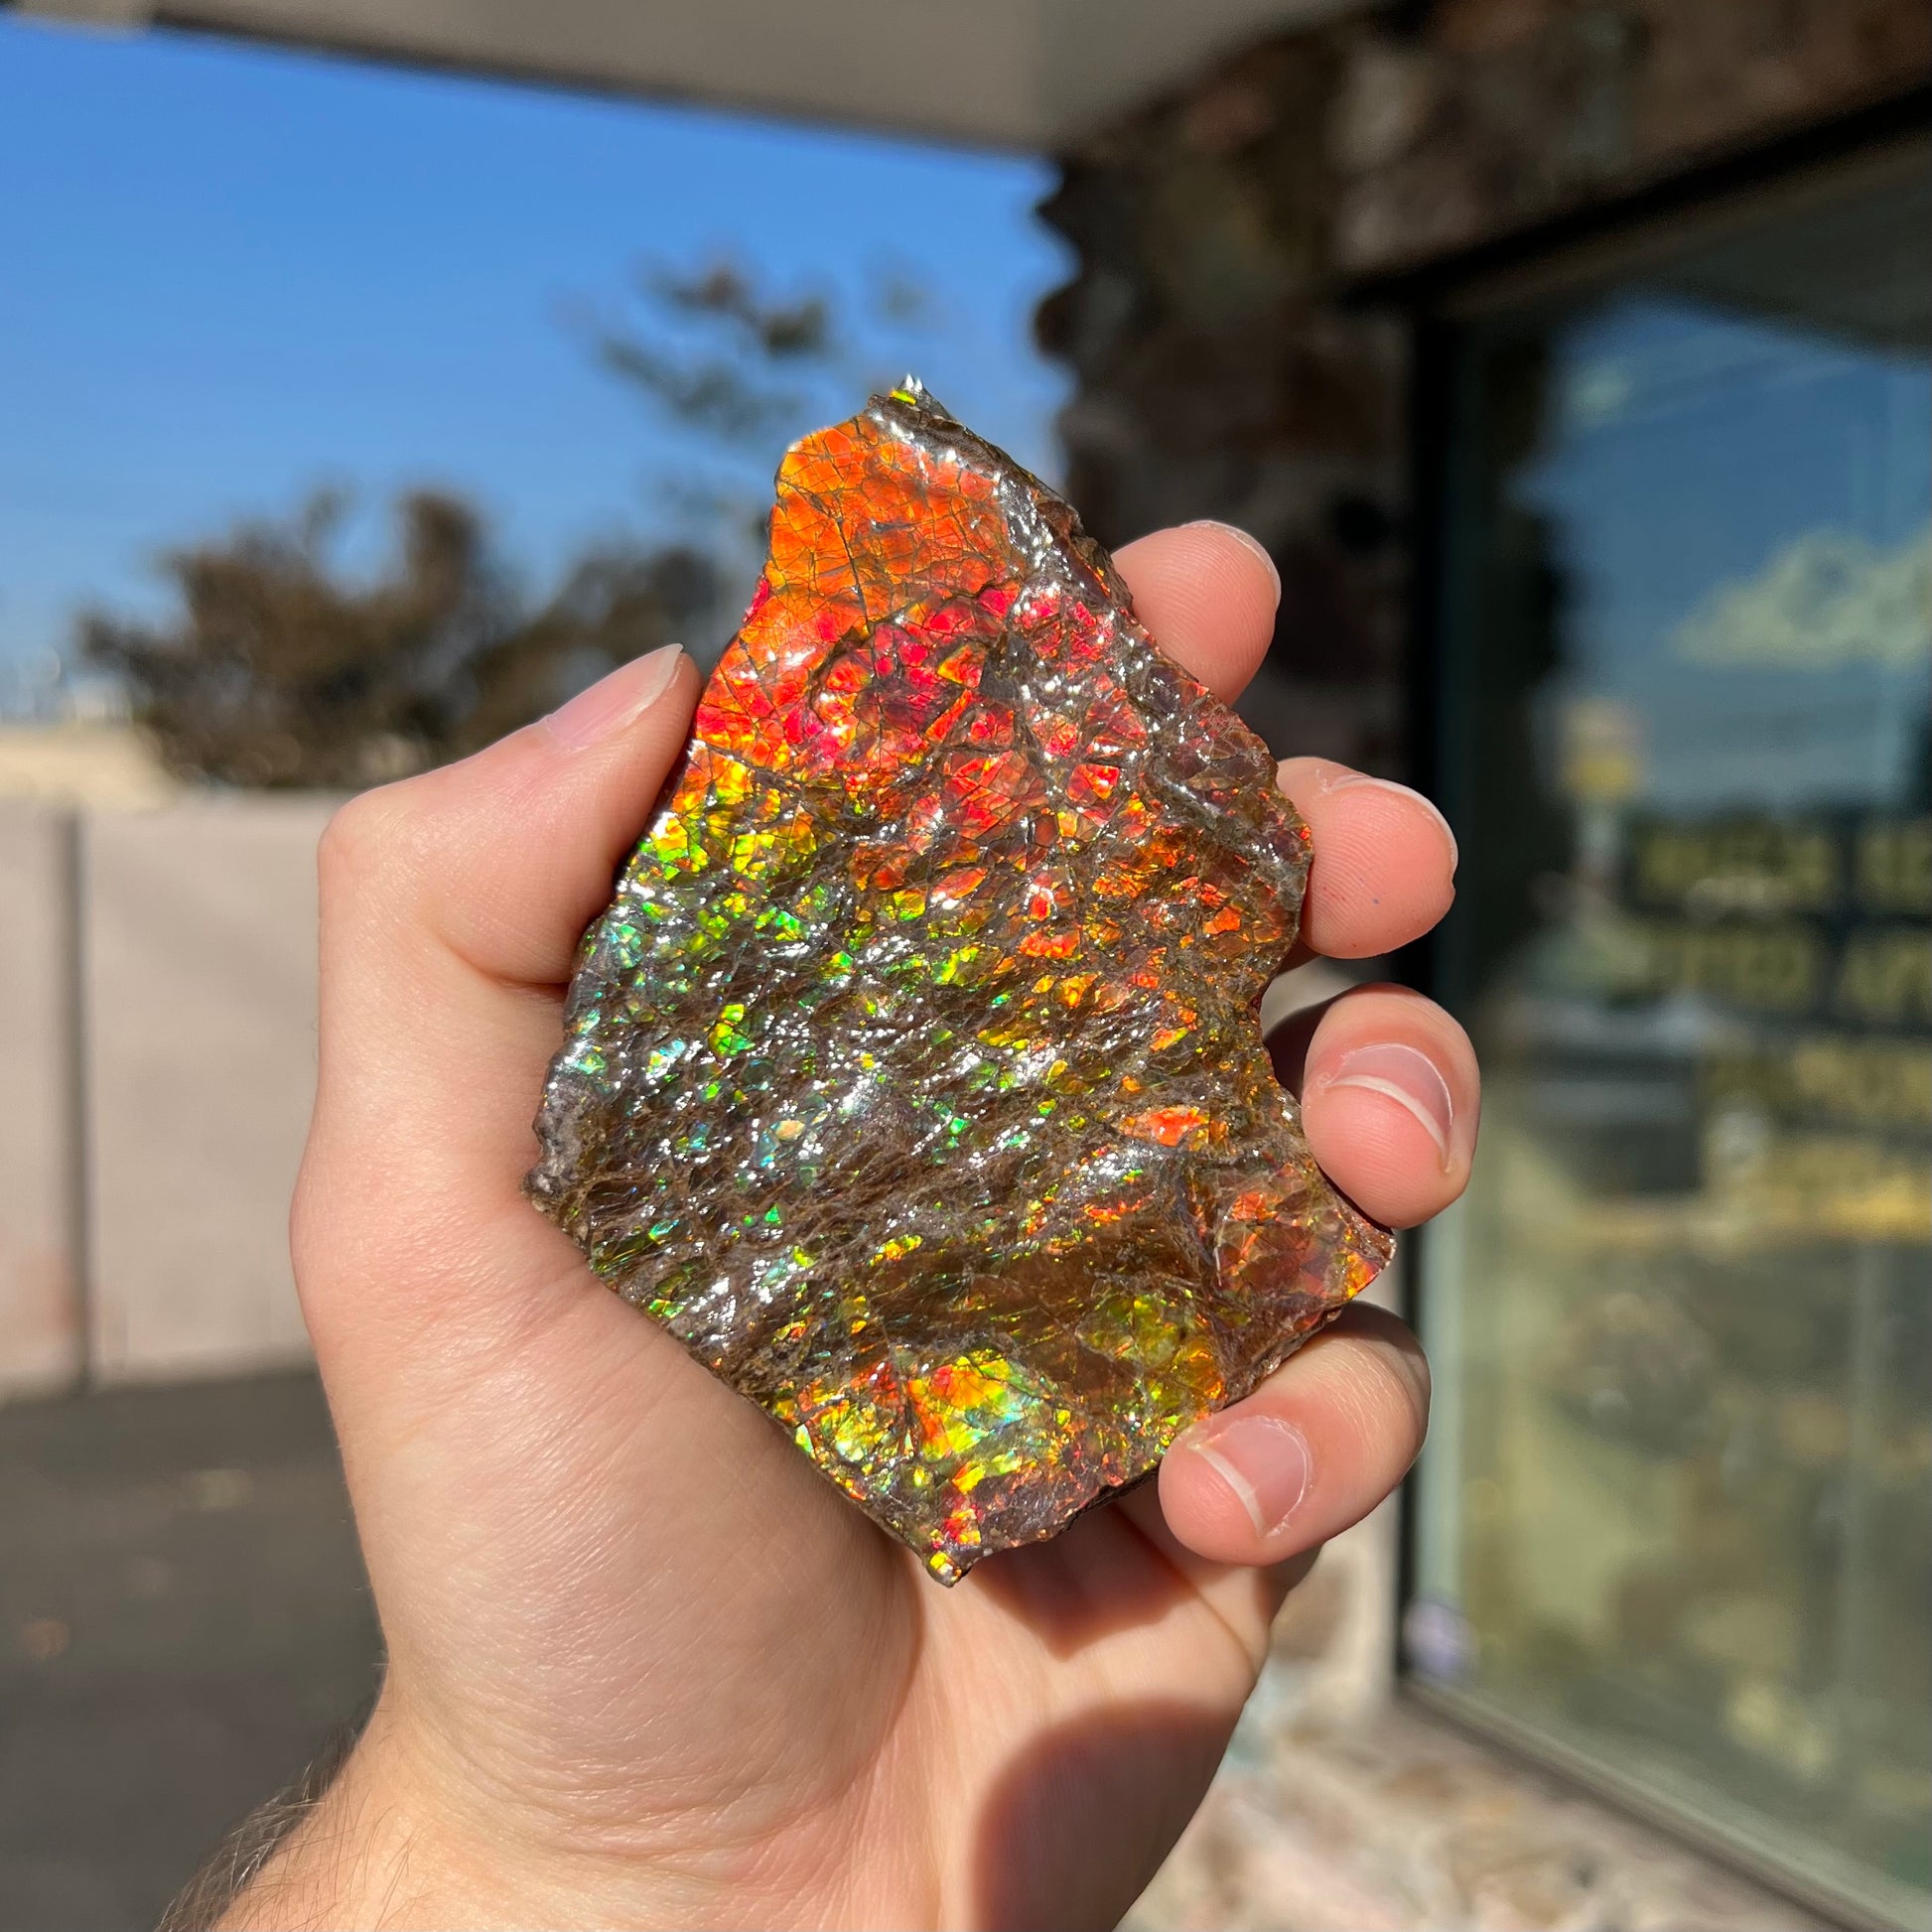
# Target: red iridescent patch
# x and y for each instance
(914, 1077)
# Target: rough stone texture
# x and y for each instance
(1504, 112)
(1218, 375)
(1225, 364)
(914, 1077)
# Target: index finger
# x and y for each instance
(1384, 856)
(1207, 593)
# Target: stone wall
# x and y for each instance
(1502, 113)
(1218, 376)
(1224, 362)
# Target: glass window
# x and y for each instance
(1675, 1520)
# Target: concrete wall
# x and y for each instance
(200, 969)
(40, 1339)
(157, 1057)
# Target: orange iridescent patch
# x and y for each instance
(915, 1077)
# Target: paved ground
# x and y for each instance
(182, 1622)
(1393, 1823)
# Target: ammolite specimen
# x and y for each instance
(914, 1077)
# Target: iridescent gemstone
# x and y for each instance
(914, 1078)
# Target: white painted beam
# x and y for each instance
(1013, 74)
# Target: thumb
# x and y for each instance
(506, 856)
(452, 907)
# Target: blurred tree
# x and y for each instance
(732, 372)
(726, 388)
(283, 670)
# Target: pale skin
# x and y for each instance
(645, 1666)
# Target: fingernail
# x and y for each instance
(1407, 1076)
(1264, 1461)
(615, 701)
(1341, 779)
(1251, 543)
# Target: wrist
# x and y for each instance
(363, 1852)
(398, 1840)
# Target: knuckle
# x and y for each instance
(1389, 1368)
(1405, 1377)
(1363, 995)
(362, 844)
(306, 1217)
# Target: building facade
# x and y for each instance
(1573, 358)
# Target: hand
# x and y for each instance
(646, 1667)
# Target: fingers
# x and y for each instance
(1390, 1099)
(1207, 593)
(1384, 856)
(1384, 867)
(1313, 1449)
(507, 856)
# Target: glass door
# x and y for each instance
(1675, 1520)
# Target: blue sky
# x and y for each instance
(1688, 450)
(232, 274)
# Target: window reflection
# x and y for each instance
(1676, 1515)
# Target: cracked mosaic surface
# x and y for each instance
(914, 1078)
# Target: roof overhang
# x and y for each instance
(1013, 74)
